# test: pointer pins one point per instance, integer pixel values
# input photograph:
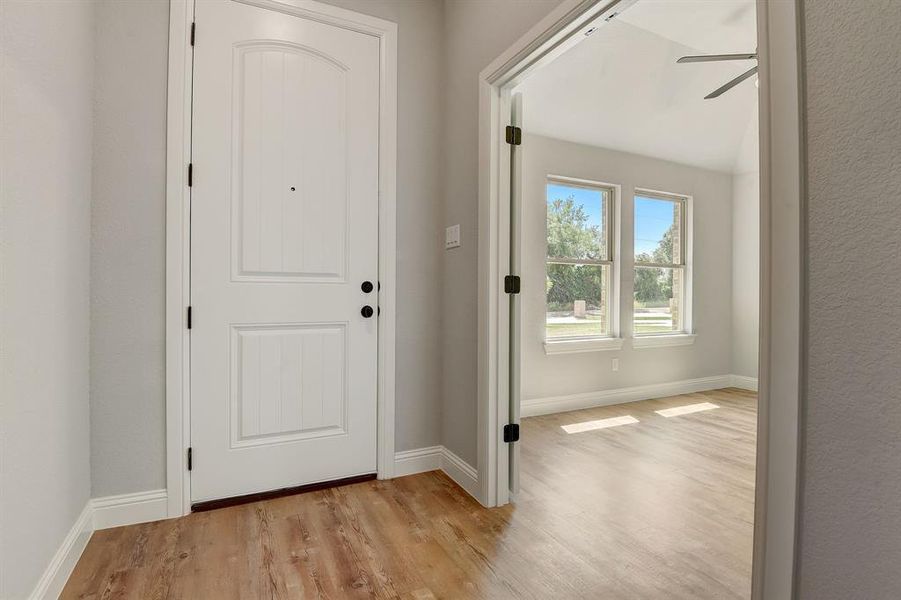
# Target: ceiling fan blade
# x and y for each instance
(731, 84)
(717, 57)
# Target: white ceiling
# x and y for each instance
(621, 88)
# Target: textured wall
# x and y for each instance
(563, 374)
(476, 32)
(128, 248)
(45, 194)
(850, 529)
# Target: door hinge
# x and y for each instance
(190, 458)
(511, 433)
(511, 284)
(514, 135)
(192, 32)
(190, 174)
(189, 317)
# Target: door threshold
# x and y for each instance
(290, 491)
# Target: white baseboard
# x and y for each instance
(98, 513)
(466, 476)
(54, 578)
(129, 509)
(745, 383)
(556, 404)
(434, 458)
(420, 460)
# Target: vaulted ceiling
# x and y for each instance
(621, 88)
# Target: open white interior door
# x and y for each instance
(514, 270)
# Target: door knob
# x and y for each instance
(366, 311)
(366, 287)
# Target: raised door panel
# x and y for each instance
(290, 165)
(288, 383)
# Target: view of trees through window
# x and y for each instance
(578, 261)
(659, 269)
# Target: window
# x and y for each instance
(660, 305)
(579, 271)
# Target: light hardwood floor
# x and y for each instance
(657, 509)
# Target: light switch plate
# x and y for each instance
(452, 237)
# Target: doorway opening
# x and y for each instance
(638, 239)
(627, 198)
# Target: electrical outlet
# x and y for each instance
(452, 237)
(615, 364)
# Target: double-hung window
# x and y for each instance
(579, 264)
(661, 298)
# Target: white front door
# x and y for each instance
(284, 233)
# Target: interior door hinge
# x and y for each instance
(511, 284)
(189, 317)
(511, 433)
(190, 458)
(190, 174)
(192, 33)
(514, 135)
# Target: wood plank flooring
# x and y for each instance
(661, 508)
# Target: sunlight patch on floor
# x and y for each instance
(686, 410)
(599, 424)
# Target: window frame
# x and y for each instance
(611, 339)
(686, 330)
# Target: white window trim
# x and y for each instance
(663, 340)
(614, 339)
(687, 331)
(587, 344)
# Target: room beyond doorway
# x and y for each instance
(779, 304)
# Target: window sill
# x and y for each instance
(574, 346)
(664, 341)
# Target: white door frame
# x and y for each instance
(178, 283)
(781, 269)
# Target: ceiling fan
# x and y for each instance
(722, 57)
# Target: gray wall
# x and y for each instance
(128, 228)
(128, 248)
(476, 32)
(746, 256)
(710, 355)
(850, 530)
(45, 194)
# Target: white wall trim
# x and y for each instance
(433, 458)
(745, 383)
(178, 285)
(55, 576)
(421, 460)
(466, 476)
(556, 404)
(129, 509)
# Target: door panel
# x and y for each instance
(289, 383)
(285, 96)
(284, 229)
